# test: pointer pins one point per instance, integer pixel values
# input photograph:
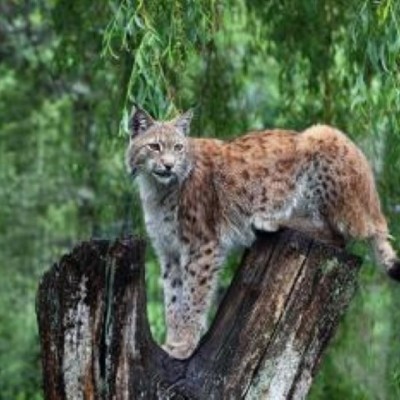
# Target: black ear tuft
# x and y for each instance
(183, 122)
(140, 121)
(394, 271)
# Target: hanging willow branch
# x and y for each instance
(162, 37)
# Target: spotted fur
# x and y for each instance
(203, 197)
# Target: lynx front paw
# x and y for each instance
(180, 350)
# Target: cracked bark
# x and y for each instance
(266, 340)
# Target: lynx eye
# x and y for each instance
(154, 146)
(178, 147)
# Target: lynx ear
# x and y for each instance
(140, 121)
(183, 122)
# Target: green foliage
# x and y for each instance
(160, 40)
(69, 71)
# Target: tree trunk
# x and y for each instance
(265, 342)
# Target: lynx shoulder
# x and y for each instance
(203, 197)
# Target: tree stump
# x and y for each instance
(266, 340)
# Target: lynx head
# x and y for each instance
(158, 149)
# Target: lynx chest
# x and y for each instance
(160, 214)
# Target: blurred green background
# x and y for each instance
(69, 71)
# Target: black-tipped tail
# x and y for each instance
(394, 271)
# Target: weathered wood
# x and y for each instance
(265, 342)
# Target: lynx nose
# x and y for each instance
(168, 162)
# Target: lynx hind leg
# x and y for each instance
(364, 220)
(317, 229)
(199, 282)
(264, 223)
(314, 227)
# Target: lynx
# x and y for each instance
(203, 197)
